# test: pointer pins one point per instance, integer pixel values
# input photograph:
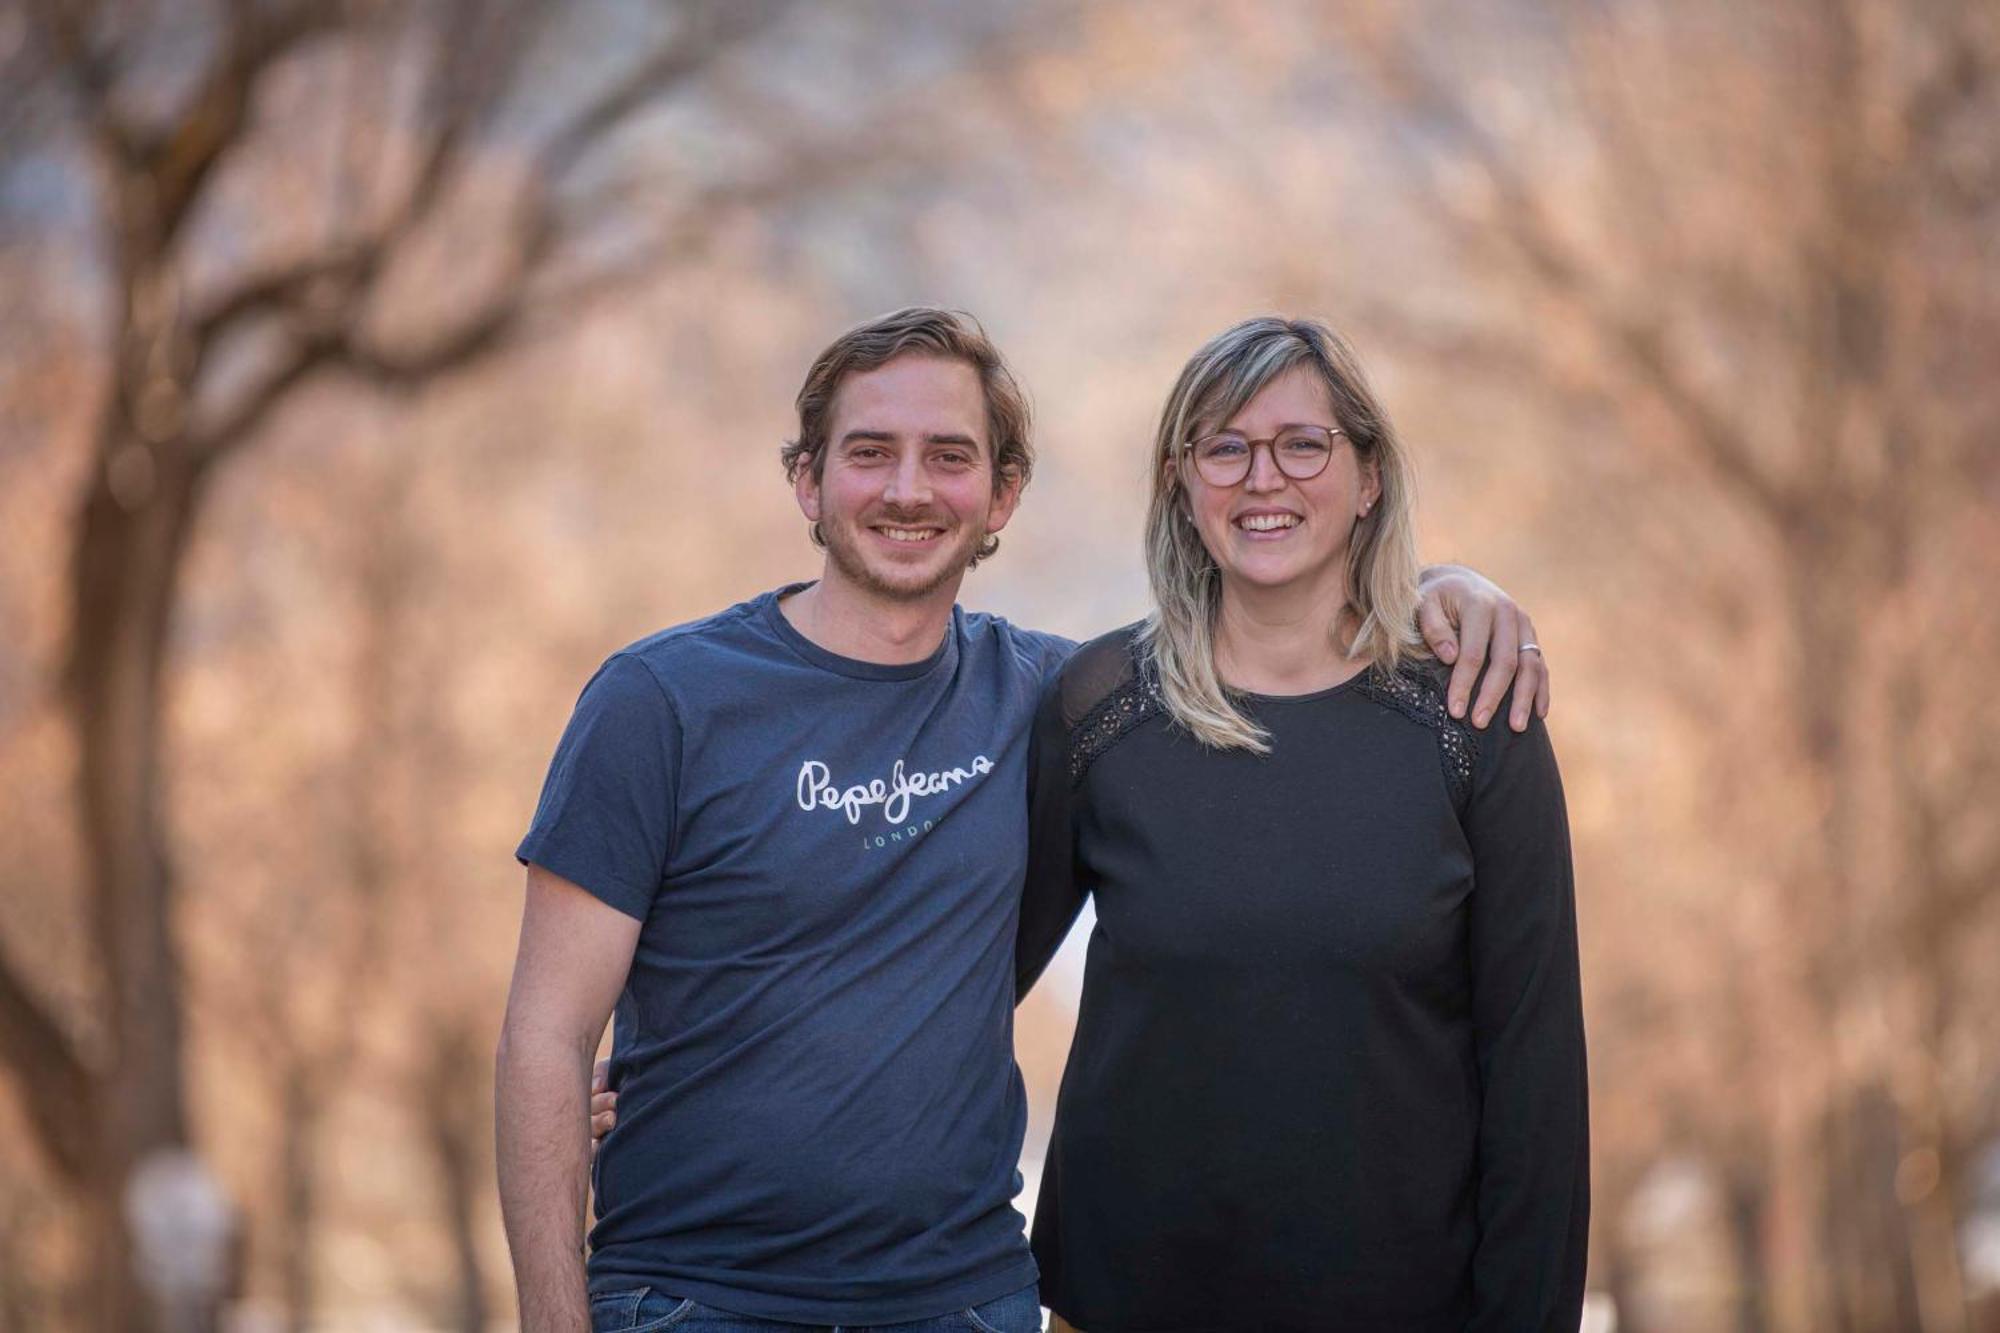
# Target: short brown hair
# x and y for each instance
(926, 331)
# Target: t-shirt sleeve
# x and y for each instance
(606, 815)
(1048, 652)
(1052, 894)
(1534, 1139)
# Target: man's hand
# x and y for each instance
(603, 1103)
(1470, 623)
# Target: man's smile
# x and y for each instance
(907, 535)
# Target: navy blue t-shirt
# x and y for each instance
(819, 1116)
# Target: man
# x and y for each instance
(785, 843)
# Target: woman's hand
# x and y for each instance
(1470, 623)
(603, 1103)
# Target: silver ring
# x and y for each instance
(1529, 648)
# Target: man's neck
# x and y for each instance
(836, 615)
(1284, 640)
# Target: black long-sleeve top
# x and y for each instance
(1328, 1071)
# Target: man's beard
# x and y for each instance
(854, 567)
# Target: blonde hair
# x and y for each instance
(1178, 638)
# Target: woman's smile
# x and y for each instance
(1267, 524)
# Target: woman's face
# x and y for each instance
(1270, 531)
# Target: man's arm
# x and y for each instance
(1470, 624)
(575, 953)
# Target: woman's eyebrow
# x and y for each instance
(1289, 425)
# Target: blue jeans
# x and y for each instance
(644, 1310)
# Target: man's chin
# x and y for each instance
(895, 581)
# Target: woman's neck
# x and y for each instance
(1285, 641)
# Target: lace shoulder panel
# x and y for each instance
(1106, 692)
(1417, 691)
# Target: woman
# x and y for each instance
(1328, 1070)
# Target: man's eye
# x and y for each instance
(955, 459)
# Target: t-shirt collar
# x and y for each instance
(945, 655)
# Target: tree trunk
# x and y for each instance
(455, 1094)
(132, 534)
(1940, 1274)
(1620, 1275)
(1746, 1204)
(301, 1109)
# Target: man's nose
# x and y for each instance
(909, 484)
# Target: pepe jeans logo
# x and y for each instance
(818, 791)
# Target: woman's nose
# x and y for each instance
(1264, 474)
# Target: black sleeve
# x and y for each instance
(1052, 895)
(1534, 1138)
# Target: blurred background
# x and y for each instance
(369, 371)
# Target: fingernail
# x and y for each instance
(1457, 708)
(1482, 718)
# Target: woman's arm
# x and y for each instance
(1534, 1140)
(1051, 896)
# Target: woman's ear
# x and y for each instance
(1170, 477)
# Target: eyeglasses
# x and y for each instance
(1300, 452)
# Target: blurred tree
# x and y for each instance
(1793, 318)
(456, 212)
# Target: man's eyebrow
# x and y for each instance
(888, 437)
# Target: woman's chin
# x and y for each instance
(1263, 577)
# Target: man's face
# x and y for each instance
(907, 494)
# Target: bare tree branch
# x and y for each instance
(283, 289)
(333, 338)
(254, 408)
(473, 63)
(91, 74)
(710, 30)
(182, 159)
(1959, 80)
(477, 58)
(1520, 216)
